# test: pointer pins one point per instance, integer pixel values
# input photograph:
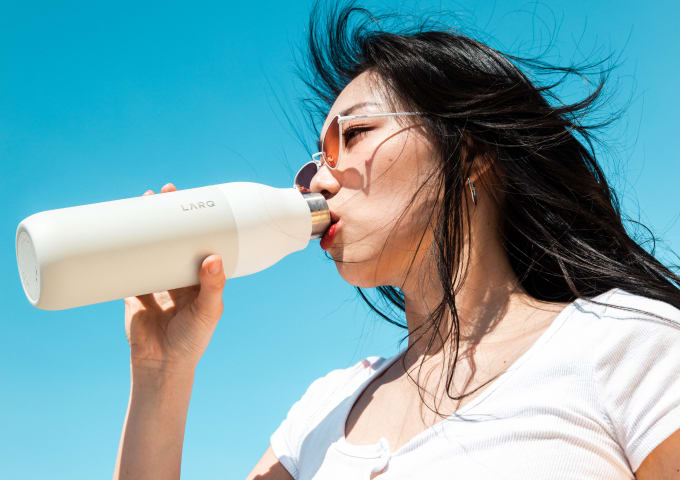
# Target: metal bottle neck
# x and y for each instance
(321, 216)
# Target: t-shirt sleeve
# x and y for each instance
(641, 377)
(287, 439)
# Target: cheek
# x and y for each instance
(386, 208)
(401, 167)
(384, 230)
(385, 226)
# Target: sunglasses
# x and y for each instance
(331, 148)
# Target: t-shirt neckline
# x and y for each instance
(382, 448)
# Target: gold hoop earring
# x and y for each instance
(473, 192)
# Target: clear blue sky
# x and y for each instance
(102, 102)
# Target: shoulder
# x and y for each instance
(618, 314)
(327, 391)
(341, 376)
(632, 303)
(624, 337)
(632, 344)
(600, 329)
(340, 379)
(317, 413)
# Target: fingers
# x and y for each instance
(208, 304)
(149, 301)
(168, 187)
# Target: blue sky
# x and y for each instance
(102, 102)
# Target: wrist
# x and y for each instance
(151, 446)
(164, 367)
(161, 375)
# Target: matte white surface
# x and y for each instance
(104, 251)
(271, 223)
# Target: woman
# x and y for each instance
(543, 342)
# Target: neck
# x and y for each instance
(489, 301)
(483, 303)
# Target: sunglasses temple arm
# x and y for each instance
(337, 162)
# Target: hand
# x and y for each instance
(172, 329)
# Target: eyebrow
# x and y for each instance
(349, 110)
(356, 106)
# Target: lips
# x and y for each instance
(327, 238)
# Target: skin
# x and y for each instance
(379, 170)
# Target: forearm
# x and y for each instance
(153, 432)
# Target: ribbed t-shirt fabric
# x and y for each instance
(590, 399)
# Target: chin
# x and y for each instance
(359, 273)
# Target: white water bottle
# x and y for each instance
(104, 251)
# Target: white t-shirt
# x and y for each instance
(590, 399)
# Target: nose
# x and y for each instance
(325, 183)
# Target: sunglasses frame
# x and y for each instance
(319, 158)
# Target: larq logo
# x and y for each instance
(187, 207)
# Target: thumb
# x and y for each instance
(208, 304)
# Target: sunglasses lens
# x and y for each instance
(331, 143)
(303, 179)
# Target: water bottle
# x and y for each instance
(94, 253)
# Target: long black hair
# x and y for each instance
(561, 223)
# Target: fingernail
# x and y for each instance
(215, 267)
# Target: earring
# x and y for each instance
(473, 192)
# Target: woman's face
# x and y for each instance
(383, 162)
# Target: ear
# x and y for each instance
(475, 156)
